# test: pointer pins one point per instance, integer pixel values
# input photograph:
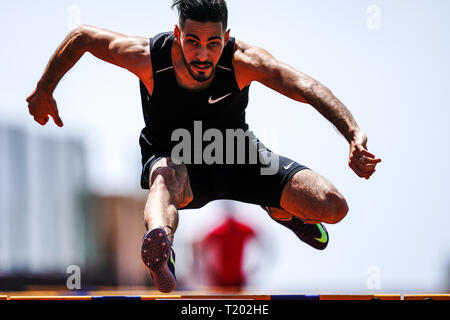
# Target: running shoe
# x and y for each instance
(315, 235)
(159, 257)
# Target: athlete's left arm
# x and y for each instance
(256, 64)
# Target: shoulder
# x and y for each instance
(138, 56)
(135, 53)
(134, 48)
(250, 55)
(251, 62)
(95, 38)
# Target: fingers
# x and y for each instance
(361, 170)
(369, 157)
(30, 96)
(41, 120)
(43, 110)
(363, 163)
(364, 152)
(367, 176)
(361, 173)
(58, 120)
(55, 115)
(370, 161)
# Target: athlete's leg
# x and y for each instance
(170, 190)
(312, 198)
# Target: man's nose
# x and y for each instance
(202, 54)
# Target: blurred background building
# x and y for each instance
(50, 220)
(45, 216)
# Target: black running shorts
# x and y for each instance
(240, 182)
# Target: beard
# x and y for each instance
(199, 76)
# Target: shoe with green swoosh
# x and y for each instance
(316, 235)
(159, 257)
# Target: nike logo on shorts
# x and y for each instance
(211, 101)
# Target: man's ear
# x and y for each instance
(177, 32)
(227, 36)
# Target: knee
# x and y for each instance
(167, 179)
(163, 177)
(164, 180)
(337, 208)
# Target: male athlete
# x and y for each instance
(199, 74)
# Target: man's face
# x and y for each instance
(202, 44)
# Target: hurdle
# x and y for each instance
(225, 297)
(294, 297)
(42, 298)
(361, 297)
(427, 297)
(233, 297)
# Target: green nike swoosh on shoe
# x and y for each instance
(324, 235)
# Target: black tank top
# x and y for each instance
(222, 105)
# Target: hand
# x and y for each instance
(41, 105)
(361, 161)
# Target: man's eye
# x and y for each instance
(214, 44)
(193, 42)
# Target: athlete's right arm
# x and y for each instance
(131, 53)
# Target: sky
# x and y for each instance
(387, 61)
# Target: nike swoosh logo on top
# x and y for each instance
(324, 237)
(211, 101)
(290, 165)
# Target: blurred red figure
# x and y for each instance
(223, 253)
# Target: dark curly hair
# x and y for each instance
(202, 11)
